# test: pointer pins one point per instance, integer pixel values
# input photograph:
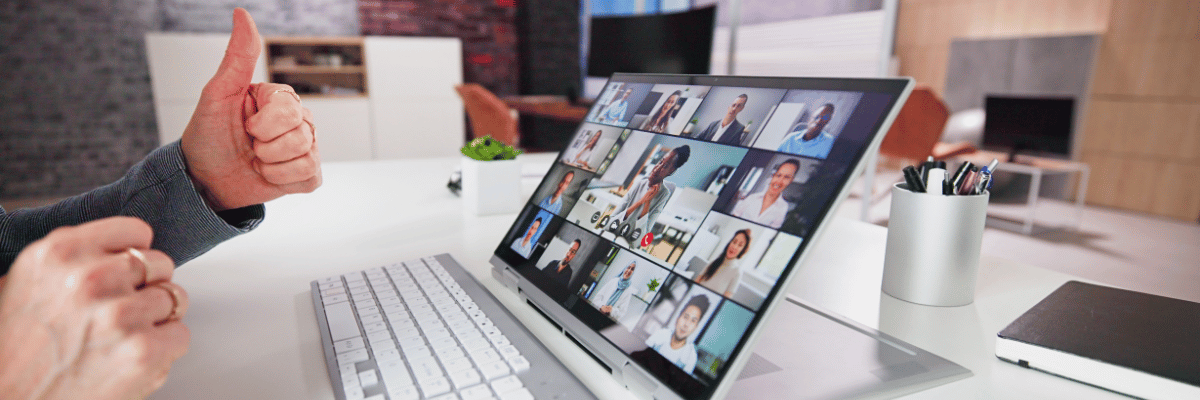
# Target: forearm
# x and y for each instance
(156, 190)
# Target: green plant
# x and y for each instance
(488, 149)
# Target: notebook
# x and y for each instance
(1134, 343)
(661, 241)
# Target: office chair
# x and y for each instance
(488, 114)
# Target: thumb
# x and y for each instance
(241, 55)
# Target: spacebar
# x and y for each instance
(342, 323)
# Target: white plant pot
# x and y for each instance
(491, 187)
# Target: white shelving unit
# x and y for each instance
(405, 105)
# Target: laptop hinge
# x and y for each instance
(507, 277)
(637, 381)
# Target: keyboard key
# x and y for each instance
(433, 387)
(353, 356)
(353, 277)
(519, 364)
(442, 344)
(375, 327)
(507, 384)
(370, 318)
(395, 373)
(485, 356)
(519, 394)
(342, 324)
(494, 370)
(376, 397)
(368, 378)
(473, 345)
(447, 396)
(343, 346)
(508, 352)
(457, 364)
(333, 292)
(450, 354)
(476, 392)
(385, 354)
(404, 393)
(380, 336)
(464, 378)
(354, 393)
(331, 279)
(425, 369)
(337, 298)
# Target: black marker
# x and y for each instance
(913, 178)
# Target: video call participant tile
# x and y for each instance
(717, 341)
(731, 115)
(767, 187)
(808, 122)
(654, 194)
(590, 146)
(668, 108)
(527, 242)
(567, 261)
(561, 188)
(624, 285)
(618, 102)
(724, 257)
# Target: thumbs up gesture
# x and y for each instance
(249, 143)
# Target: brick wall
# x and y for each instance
(75, 102)
(486, 27)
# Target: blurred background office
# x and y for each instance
(78, 100)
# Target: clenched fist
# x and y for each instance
(249, 143)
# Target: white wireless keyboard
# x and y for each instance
(409, 331)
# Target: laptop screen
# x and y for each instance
(681, 201)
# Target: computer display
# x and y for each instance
(674, 43)
(678, 205)
(1034, 124)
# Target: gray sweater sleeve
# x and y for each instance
(156, 190)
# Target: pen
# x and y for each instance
(957, 181)
(937, 179)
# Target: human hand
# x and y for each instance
(81, 315)
(605, 310)
(249, 143)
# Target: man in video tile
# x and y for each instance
(560, 270)
(647, 197)
(727, 130)
(674, 343)
(813, 141)
(768, 207)
(616, 111)
(553, 203)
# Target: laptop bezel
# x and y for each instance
(622, 367)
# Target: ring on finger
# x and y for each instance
(141, 258)
(288, 91)
(177, 304)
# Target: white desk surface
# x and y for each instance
(254, 333)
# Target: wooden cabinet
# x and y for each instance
(371, 97)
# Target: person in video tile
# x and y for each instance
(727, 130)
(723, 274)
(581, 157)
(616, 111)
(768, 207)
(647, 197)
(658, 122)
(811, 141)
(560, 270)
(524, 245)
(612, 298)
(553, 203)
(674, 343)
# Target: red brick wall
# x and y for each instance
(487, 29)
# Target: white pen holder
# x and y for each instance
(933, 245)
(491, 187)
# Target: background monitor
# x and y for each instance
(1036, 124)
(675, 43)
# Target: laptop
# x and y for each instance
(661, 241)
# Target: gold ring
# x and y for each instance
(141, 257)
(175, 308)
(288, 91)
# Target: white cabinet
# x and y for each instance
(416, 112)
(410, 109)
(180, 65)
